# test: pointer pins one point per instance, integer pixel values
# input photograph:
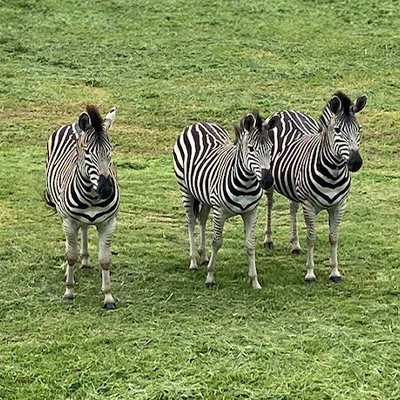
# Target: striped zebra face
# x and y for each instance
(95, 150)
(345, 130)
(257, 146)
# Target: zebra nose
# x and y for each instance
(266, 179)
(105, 187)
(355, 161)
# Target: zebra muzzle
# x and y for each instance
(266, 179)
(355, 161)
(105, 187)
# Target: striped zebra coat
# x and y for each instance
(311, 163)
(213, 172)
(81, 185)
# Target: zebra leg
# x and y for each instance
(310, 216)
(84, 248)
(203, 216)
(219, 220)
(71, 230)
(188, 203)
(106, 231)
(335, 216)
(294, 237)
(249, 220)
(268, 244)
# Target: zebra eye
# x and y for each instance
(251, 148)
(337, 129)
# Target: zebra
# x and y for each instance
(212, 172)
(310, 164)
(81, 185)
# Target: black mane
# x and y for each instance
(96, 119)
(238, 128)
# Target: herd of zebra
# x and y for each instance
(307, 161)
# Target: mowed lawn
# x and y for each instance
(164, 65)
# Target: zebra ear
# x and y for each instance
(249, 122)
(272, 123)
(359, 104)
(335, 104)
(110, 118)
(84, 121)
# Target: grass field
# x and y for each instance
(164, 65)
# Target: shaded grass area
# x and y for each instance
(164, 65)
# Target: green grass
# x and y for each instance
(166, 64)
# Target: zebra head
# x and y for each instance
(94, 150)
(339, 119)
(256, 147)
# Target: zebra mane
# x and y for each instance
(239, 127)
(327, 113)
(96, 119)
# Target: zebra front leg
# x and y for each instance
(85, 264)
(106, 231)
(249, 220)
(335, 216)
(268, 244)
(71, 230)
(219, 220)
(310, 216)
(203, 216)
(294, 237)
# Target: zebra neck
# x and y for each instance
(325, 118)
(83, 182)
(240, 173)
(328, 161)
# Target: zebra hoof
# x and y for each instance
(268, 245)
(335, 279)
(86, 266)
(204, 262)
(296, 252)
(210, 285)
(68, 297)
(109, 306)
(310, 280)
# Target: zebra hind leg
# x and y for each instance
(106, 231)
(191, 208)
(85, 264)
(268, 244)
(71, 231)
(203, 216)
(294, 237)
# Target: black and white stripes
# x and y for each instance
(213, 172)
(82, 186)
(310, 165)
